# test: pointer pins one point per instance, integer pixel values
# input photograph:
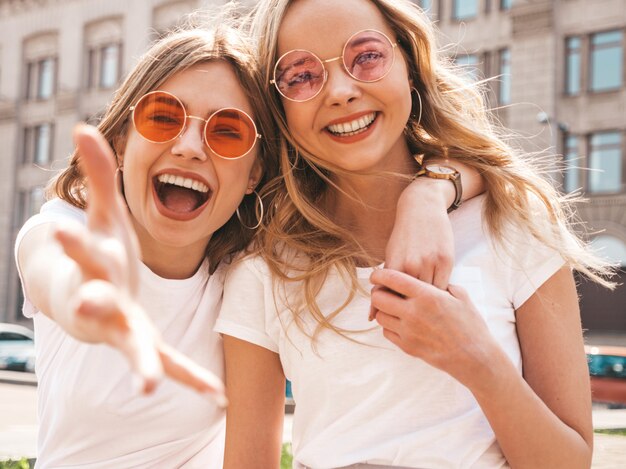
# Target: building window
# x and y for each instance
(43, 144)
(29, 203)
(109, 66)
(40, 78)
(464, 9)
(104, 66)
(426, 5)
(606, 61)
(504, 72)
(506, 4)
(571, 177)
(605, 163)
(610, 248)
(38, 144)
(103, 53)
(470, 66)
(572, 65)
(36, 200)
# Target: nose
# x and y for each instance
(190, 143)
(341, 88)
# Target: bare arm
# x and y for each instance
(421, 243)
(541, 420)
(549, 424)
(85, 278)
(255, 386)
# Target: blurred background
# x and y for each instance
(559, 84)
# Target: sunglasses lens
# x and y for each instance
(299, 75)
(159, 117)
(230, 133)
(368, 56)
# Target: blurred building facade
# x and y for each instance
(561, 83)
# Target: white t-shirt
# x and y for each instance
(371, 402)
(90, 412)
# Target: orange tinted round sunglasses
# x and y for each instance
(160, 117)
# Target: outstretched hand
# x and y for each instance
(105, 308)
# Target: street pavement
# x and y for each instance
(18, 424)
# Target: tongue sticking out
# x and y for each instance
(179, 199)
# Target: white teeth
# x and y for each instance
(183, 182)
(354, 126)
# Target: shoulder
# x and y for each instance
(56, 210)
(247, 267)
(53, 211)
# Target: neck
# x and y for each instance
(167, 260)
(178, 263)
(366, 204)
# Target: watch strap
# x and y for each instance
(454, 177)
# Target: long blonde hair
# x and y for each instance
(179, 50)
(455, 123)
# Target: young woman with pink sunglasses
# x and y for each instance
(487, 371)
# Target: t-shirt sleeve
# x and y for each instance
(53, 211)
(244, 313)
(532, 264)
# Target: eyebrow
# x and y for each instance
(174, 102)
(363, 40)
(168, 100)
(229, 113)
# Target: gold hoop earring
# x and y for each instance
(419, 98)
(259, 216)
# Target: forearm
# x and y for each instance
(255, 386)
(528, 432)
(50, 277)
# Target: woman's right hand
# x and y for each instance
(104, 307)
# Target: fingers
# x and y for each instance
(373, 309)
(393, 337)
(75, 242)
(384, 300)
(97, 161)
(389, 321)
(459, 293)
(103, 315)
(138, 345)
(399, 282)
(442, 275)
(181, 368)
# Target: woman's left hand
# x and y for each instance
(443, 328)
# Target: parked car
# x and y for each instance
(17, 348)
(607, 369)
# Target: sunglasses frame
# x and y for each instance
(343, 63)
(257, 135)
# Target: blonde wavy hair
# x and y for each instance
(191, 44)
(455, 123)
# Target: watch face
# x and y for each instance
(441, 169)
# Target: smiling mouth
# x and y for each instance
(180, 194)
(354, 127)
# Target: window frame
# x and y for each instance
(591, 149)
(590, 62)
(504, 79)
(453, 13)
(570, 51)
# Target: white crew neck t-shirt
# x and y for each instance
(369, 402)
(92, 415)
